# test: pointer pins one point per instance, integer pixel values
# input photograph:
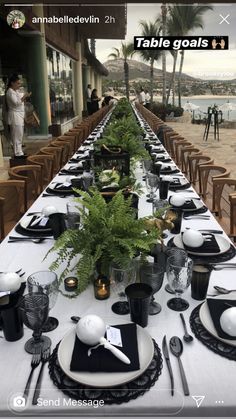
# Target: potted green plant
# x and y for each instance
(109, 234)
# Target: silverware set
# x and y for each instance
(15, 239)
(37, 358)
(176, 348)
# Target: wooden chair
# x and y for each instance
(217, 192)
(46, 162)
(178, 145)
(56, 152)
(70, 140)
(12, 204)
(185, 152)
(74, 138)
(232, 202)
(65, 152)
(32, 175)
(206, 174)
(2, 230)
(193, 162)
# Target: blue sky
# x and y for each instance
(203, 64)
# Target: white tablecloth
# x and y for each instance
(208, 374)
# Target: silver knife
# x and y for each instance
(167, 358)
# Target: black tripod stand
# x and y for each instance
(212, 113)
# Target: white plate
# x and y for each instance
(105, 379)
(223, 244)
(198, 205)
(206, 320)
(26, 221)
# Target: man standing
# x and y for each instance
(147, 99)
(16, 113)
(142, 97)
(88, 98)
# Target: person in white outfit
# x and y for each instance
(16, 113)
(142, 99)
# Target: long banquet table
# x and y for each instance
(208, 374)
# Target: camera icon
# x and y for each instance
(19, 402)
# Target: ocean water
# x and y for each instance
(205, 103)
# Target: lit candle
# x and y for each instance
(70, 283)
(102, 288)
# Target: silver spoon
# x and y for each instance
(30, 240)
(223, 290)
(176, 348)
(187, 337)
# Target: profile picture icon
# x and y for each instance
(16, 19)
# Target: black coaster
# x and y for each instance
(209, 259)
(115, 395)
(215, 345)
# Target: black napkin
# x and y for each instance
(61, 186)
(38, 226)
(102, 360)
(209, 246)
(216, 308)
(175, 182)
(161, 158)
(69, 171)
(166, 169)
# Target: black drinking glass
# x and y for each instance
(152, 274)
(45, 282)
(179, 274)
(34, 309)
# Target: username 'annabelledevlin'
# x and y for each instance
(66, 19)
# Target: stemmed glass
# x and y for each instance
(179, 274)
(147, 166)
(152, 185)
(153, 275)
(45, 282)
(179, 254)
(34, 308)
(120, 279)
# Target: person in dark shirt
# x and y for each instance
(94, 101)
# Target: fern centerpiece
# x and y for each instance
(109, 234)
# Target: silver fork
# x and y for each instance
(45, 359)
(200, 217)
(35, 361)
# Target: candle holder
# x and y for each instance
(70, 283)
(102, 288)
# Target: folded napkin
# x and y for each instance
(39, 225)
(70, 170)
(102, 360)
(210, 245)
(190, 204)
(216, 308)
(175, 182)
(166, 169)
(63, 186)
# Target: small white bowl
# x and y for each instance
(228, 321)
(193, 238)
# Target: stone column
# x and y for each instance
(37, 65)
(78, 88)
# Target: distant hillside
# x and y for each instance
(137, 70)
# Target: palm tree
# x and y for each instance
(126, 51)
(151, 29)
(186, 18)
(163, 15)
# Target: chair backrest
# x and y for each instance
(2, 231)
(32, 175)
(193, 161)
(46, 162)
(56, 152)
(12, 202)
(65, 150)
(232, 201)
(217, 192)
(178, 145)
(206, 174)
(186, 151)
(70, 140)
